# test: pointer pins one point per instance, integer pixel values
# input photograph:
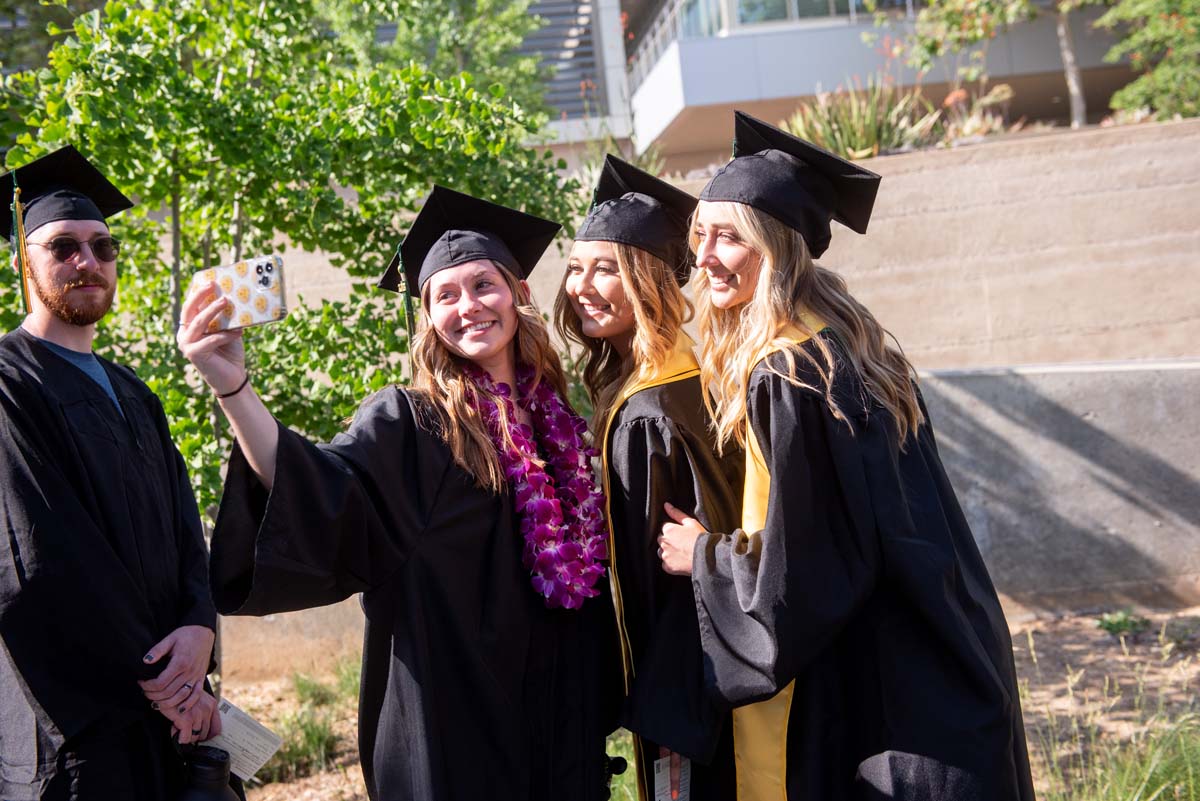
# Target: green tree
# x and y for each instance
(482, 37)
(965, 29)
(962, 28)
(28, 30)
(1163, 43)
(242, 127)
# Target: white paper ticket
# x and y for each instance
(249, 743)
(662, 779)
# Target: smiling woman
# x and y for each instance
(850, 619)
(727, 261)
(462, 508)
(621, 299)
(473, 310)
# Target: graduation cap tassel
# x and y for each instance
(408, 314)
(19, 245)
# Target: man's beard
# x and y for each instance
(80, 309)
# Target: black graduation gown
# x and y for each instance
(661, 448)
(471, 688)
(103, 556)
(866, 589)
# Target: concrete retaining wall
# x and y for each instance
(1081, 483)
(1062, 247)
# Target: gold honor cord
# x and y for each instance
(22, 250)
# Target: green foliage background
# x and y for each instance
(1162, 42)
(243, 127)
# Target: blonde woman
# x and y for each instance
(463, 509)
(621, 300)
(851, 617)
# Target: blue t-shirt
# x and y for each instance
(88, 363)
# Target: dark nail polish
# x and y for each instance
(148, 658)
(182, 709)
(154, 704)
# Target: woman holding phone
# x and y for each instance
(463, 509)
(851, 618)
(621, 300)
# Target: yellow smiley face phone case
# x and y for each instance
(255, 287)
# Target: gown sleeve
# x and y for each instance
(72, 617)
(341, 518)
(653, 462)
(769, 601)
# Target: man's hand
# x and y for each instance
(677, 542)
(201, 722)
(181, 682)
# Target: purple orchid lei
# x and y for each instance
(562, 511)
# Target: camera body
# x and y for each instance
(256, 288)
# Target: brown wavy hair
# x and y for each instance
(791, 287)
(659, 311)
(450, 409)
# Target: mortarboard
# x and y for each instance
(62, 185)
(453, 229)
(633, 207)
(801, 185)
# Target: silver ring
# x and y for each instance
(187, 686)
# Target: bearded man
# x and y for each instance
(106, 621)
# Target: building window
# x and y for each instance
(752, 11)
(700, 18)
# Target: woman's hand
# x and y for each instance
(219, 357)
(677, 542)
(181, 682)
(201, 722)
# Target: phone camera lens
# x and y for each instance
(258, 268)
(270, 267)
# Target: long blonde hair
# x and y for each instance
(659, 312)
(454, 400)
(791, 287)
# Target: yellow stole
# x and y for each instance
(680, 365)
(760, 730)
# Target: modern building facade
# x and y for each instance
(684, 65)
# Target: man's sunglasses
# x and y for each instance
(65, 248)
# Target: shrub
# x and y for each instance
(311, 692)
(1162, 42)
(308, 746)
(968, 115)
(860, 122)
(1123, 623)
(347, 677)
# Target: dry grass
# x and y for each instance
(1112, 718)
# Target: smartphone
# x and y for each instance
(255, 287)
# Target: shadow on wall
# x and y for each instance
(1082, 488)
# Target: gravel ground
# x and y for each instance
(1069, 670)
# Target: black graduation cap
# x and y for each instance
(62, 185)
(801, 185)
(453, 229)
(633, 207)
